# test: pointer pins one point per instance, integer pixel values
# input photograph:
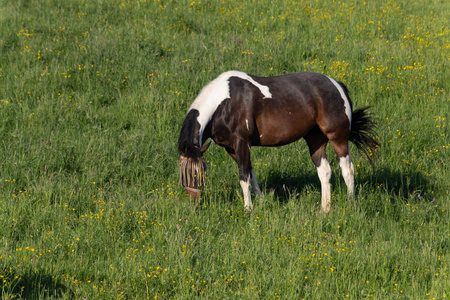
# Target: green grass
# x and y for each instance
(92, 97)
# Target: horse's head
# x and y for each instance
(193, 170)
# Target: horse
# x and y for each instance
(238, 111)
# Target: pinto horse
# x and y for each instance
(238, 111)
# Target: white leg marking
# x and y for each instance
(255, 184)
(245, 185)
(348, 172)
(324, 172)
(347, 108)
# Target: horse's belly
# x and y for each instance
(283, 130)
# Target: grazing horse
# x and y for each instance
(238, 111)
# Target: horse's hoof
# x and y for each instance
(326, 209)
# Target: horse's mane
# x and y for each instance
(192, 165)
(189, 136)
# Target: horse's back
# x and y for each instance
(274, 111)
(300, 101)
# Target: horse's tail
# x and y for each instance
(363, 133)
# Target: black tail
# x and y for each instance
(363, 132)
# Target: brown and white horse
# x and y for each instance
(239, 111)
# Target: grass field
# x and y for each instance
(92, 97)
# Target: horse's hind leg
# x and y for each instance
(317, 143)
(348, 171)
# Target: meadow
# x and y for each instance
(92, 98)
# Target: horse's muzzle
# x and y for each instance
(194, 193)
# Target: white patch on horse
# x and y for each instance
(217, 91)
(262, 88)
(348, 172)
(324, 172)
(245, 185)
(347, 107)
(246, 122)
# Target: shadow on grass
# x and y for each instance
(32, 285)
(398, 185)
(286, 185)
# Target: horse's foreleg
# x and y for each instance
(245, 171)
(255, 183)
(246, 175)
(245, 185)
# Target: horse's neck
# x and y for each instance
(206, 133)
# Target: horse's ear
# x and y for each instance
(205, 147)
